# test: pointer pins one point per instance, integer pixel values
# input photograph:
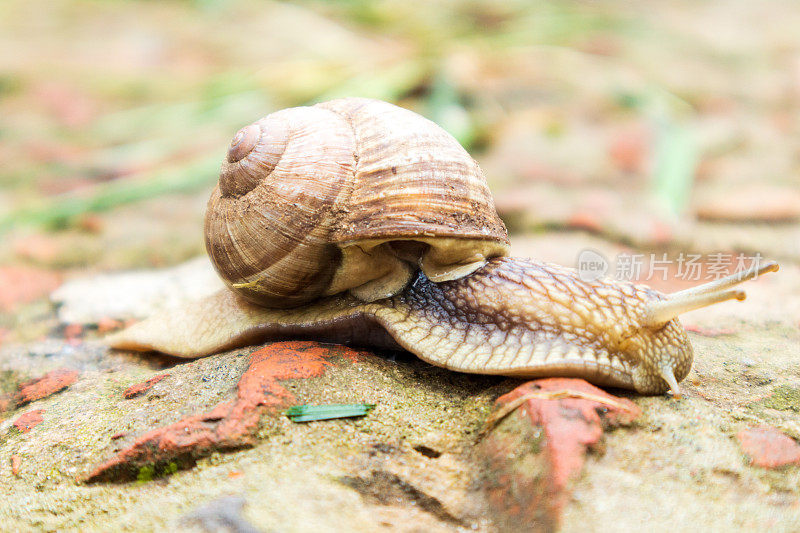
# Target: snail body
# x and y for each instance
(513, 317)
(316, 236)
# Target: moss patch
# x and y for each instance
(783, 398)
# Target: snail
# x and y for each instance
(359, 222)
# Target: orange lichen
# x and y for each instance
(140, 388)
(29, 420)
(16, 464)
(36, 389)
(49, 384)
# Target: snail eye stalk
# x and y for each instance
(660, 312)
(669, 377)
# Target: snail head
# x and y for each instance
(664, 350)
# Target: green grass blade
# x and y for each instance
(308, 413)
(58, 210)
(675, 166)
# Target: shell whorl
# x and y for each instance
(347, 195)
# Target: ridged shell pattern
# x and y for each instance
(412, 178)
(345, 195)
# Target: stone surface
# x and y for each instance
(531, 460)
(406, 462)
(20, 285)
(568, 104)
(38, 388)
(141, 388)
(212, 427)
(129, 295)
(769, 448)
(28, 421)
(229, 425)
(223, 514)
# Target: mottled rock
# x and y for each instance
(754, 203)
(534, 454)
(36, 389)
(16, 464)
(20, 285)
(228, 426)
(127, 295)
(28, 421)
(140, 388)
(49, 384)
(222, 514)
(767, 447)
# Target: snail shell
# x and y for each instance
(352, 194)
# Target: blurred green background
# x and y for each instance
(655, 125)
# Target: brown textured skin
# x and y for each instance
(519, 317)
(514, 317)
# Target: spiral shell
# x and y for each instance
(352, 194)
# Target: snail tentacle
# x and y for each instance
(729, 281)
(660, 312)
(669, 377)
